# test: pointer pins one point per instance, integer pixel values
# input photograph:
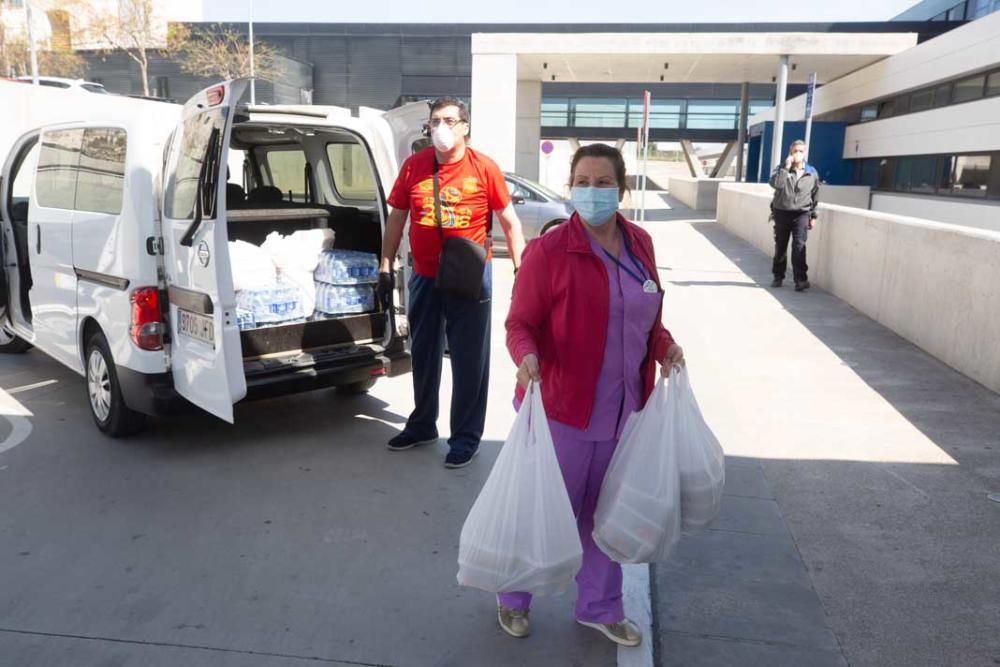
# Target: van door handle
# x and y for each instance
(38, 239)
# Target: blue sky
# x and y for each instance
(556, 11)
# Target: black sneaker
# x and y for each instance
(459, 457)
(801, 285)
(777, 282)
(405, 441)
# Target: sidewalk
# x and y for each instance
(855, 526)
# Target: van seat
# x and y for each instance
(235, 196)
(265, 194)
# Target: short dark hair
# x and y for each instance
(608, 153)
(448, 101)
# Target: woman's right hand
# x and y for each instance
(528, 371)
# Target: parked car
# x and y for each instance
(67, 84)
(115, 249)
(539, 208)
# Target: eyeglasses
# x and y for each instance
(450, 122)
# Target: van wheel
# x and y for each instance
(11, 344)
(107, 406)
(356, 388)
(551, 224)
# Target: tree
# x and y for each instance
(133, 30)
(219, 53)
(55, 57)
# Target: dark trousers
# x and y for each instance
(466, 324)
(794, 225)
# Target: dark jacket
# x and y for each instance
(791, 194)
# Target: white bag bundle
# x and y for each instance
(521, 533)
(638, 514)
(251, 266)
(297, 256)
(700, 459)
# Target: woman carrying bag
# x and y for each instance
(585, 322)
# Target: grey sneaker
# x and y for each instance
(514, 621)
(625, 632)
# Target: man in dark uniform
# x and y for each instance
(796, 195)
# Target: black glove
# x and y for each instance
(383, 290)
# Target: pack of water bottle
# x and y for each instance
(346, 267)
(344, 299)
(268, 305)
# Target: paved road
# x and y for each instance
(855, 528)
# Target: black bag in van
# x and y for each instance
(462, 262)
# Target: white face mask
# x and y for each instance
(443, 137)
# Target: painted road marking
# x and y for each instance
(29, 387)
(17, 415)
(638, 607)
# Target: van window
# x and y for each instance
(287, 170)
(101, 179)
(352, 172)
(58, 160)
(201, 141)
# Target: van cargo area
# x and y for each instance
(304, 256)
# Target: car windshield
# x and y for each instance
(95, 88)
(551, 194)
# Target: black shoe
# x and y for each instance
(801, 285)
(459, 457)
(405, 441)
(777, 282)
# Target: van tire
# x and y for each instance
(11, 344)
(356, 388)
(104, 395)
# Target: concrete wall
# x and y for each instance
(933, 284)
(981, 215)
(855, 196)
(699, 194)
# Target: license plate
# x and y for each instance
(196, 326)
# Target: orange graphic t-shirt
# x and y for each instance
(470, 189)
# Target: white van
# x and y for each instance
(115, 249)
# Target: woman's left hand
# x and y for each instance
(673, 357)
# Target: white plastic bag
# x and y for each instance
(700, 459)
(521, 534)
(638, 518)
(252, 267)
(297, 256)
(667, 475)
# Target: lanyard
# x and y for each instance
(638, 278)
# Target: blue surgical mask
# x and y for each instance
(595, 205)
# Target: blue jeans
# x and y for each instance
(434, 315)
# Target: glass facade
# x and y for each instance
(967, 176)
(621, 112)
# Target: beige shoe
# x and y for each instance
(514, 621)
(624, 632)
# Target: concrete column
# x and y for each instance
(779, 113)
(528, 128)
(741, 137)
(494, 108)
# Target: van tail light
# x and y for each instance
(147, 322)
(216, 96)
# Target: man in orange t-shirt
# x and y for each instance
(471, 188)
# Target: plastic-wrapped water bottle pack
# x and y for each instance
(344, 299)
(346, 267)
(268, 305)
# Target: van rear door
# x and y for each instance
(206, 355)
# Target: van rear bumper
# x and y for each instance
(341, 370)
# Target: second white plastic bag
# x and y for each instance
(521, 534)
(638, 514)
